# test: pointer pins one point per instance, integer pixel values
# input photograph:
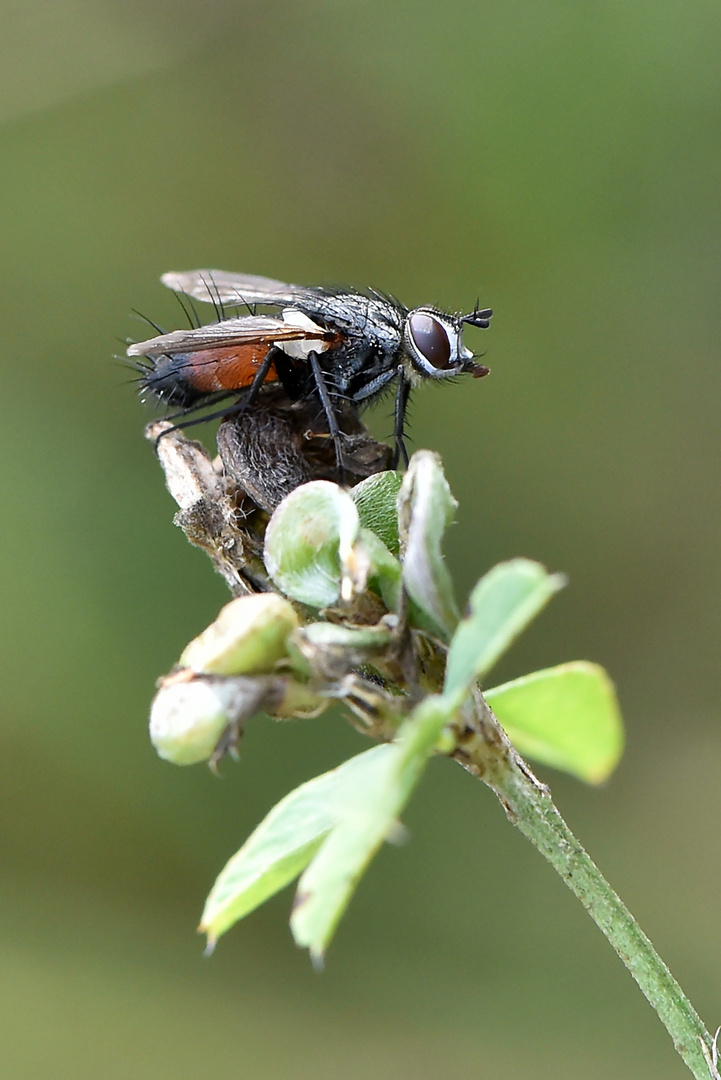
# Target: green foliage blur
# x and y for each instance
(560, 162)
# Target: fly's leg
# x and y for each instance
(259, 378)
(333, 429)
(402, 393)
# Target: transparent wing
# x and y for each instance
(241, 331)
(219, 286)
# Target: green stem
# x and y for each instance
(531, 808)
(483, 748)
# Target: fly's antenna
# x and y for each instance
(480, 317)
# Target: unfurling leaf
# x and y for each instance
(425, 510)
(309, 544)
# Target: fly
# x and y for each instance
(341, 347)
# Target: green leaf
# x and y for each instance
(309, 550)
(368, 818)
(375, 498)
(384, 570)
(566, 716)
(501, 605)
(425, 510)
(371, 808)
(282, 845)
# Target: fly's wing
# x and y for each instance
(219, 286)
(244, 330)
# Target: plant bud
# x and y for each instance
(189, 716)
(248, 637)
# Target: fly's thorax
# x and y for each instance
(368, 343)
(375, 321)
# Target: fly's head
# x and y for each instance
(433, 342)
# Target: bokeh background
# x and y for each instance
(559, 161)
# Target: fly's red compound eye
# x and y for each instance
(430, 337)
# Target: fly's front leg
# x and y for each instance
(259, 378)
(403, 390)
(333, 429)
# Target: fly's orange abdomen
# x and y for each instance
(185, 378)
(231, 368)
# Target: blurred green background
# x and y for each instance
(561, 162)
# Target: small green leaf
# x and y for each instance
(501, 605)
(358, 640)
(567, 716)
(329, 651)
(309, 540)
(425, 510)
(376, 498)
(371, 808)
(282, 845)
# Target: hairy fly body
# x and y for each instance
(338, 347)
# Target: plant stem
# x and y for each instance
(528, 803)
